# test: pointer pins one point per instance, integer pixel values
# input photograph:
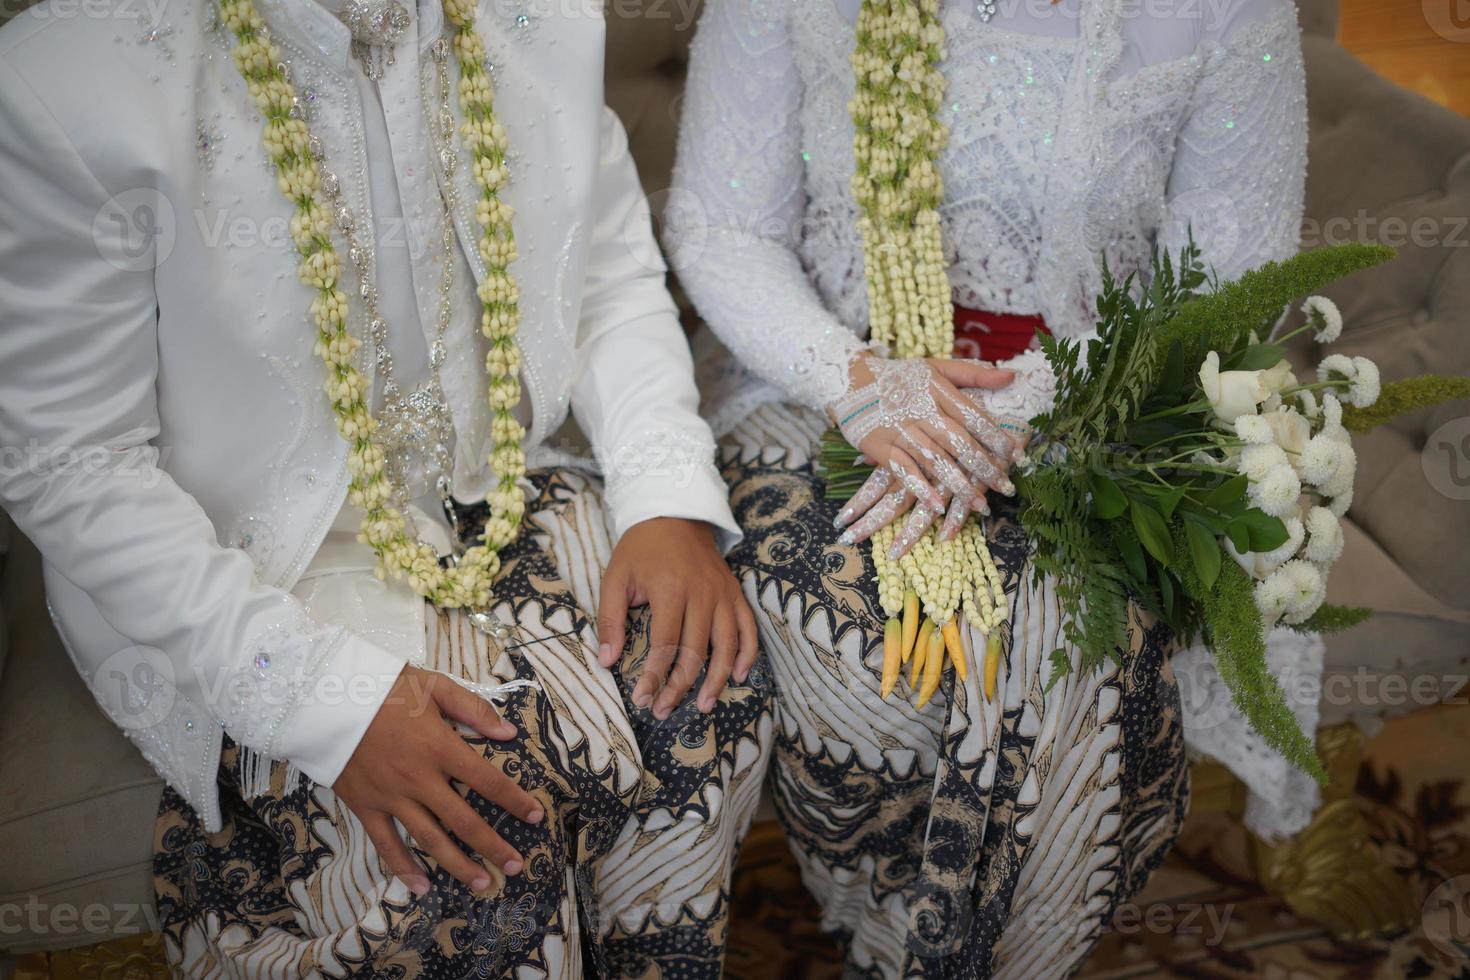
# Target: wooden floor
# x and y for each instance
(1423, 45)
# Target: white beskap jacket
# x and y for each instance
(168, 446)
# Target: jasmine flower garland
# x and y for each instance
(897, 142)
(293, 153)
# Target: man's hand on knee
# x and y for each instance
(405, 767)
(698, 613)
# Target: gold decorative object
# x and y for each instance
(1214, 789)
(130, 958)
(1331, 873)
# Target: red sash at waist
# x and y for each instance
(985, 336)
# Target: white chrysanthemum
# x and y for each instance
(1257, 461)
(1331, 411)
(1260, 564)
(1306, 589)
(1308, 402)
(1324, 536)
(1339, 504)
(1273, 596)
(1360, 374)
(1253, 429)
(1277, 492)
(1365, 386)
(1295, 532)
(1336, 364)
(1342, 478)
(1324, 317)
(1321, 459)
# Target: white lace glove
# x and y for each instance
(935, 451)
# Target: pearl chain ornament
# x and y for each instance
(896, 182)
(288, 143)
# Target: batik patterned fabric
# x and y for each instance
(970, 838)
(627, 876)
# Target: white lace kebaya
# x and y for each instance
(1081, 132)
(1078, 132)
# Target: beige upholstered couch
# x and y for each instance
(77, 802)
(1384, 165)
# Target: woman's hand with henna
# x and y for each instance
(935, 451)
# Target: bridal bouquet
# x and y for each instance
(1185, 466)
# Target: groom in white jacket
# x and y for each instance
(186, 483)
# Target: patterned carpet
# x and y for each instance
(1203, 915)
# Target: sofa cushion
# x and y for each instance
(1408, 185)
(1413, 653)
(5, 533)
(647, 52)
(77, 801)
(1318, 17)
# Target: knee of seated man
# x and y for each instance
(525, 760)
(556, 766)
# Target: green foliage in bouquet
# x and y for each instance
(1132, 496)
(1401, 397)
(1233, 630)
(1333, 619)
(1229, 315)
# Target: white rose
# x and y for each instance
(1290, 430)
(1231, 394)
(1278, 377)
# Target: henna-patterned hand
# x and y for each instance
(937, 452)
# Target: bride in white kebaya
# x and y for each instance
(970, 836)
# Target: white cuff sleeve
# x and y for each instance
(681, 486)
(321, 734)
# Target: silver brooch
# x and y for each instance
(376, 26)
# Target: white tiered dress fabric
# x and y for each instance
(1080, 132)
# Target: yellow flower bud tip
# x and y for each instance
(921, 648)
(992, 664)
(933, 664)
(910, 623)
(955, 648)
(892, 656)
